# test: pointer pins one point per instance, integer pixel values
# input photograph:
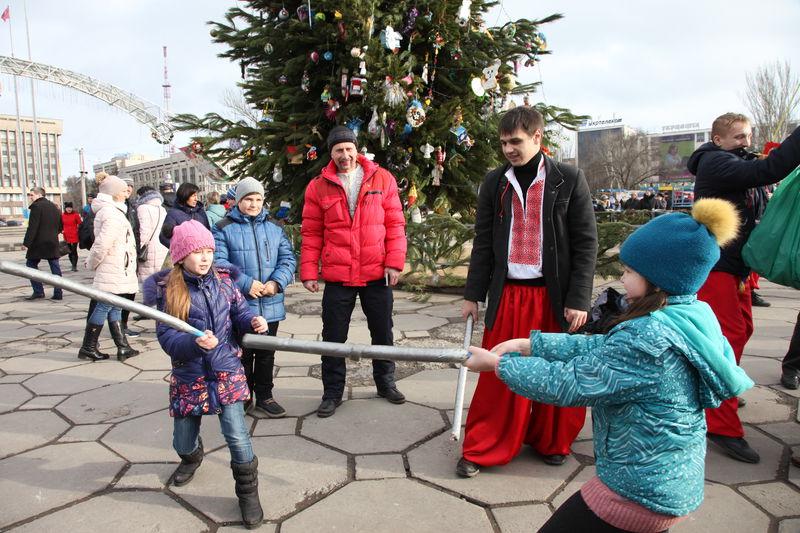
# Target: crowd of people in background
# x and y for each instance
(230, 254)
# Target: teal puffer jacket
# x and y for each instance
(647, 383)
(260, 250)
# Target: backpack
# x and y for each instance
(86, 231)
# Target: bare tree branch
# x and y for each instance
(772, 98)
(620, 161)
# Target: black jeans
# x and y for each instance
(258, 367)
(338, 302)
(575, 515)
(73, 254)
(791, 362)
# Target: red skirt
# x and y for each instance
(500, 422)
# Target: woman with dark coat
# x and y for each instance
(187, 207)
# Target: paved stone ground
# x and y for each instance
(87, 446)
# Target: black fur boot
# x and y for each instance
(189, 463)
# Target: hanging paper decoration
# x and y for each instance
(477, 87)
(464, 13)
(325, 97)
(426, 150)
(412, 195)
(196, 147)
(438, 169)
(415, 114)
(305, 82)
(455, 53)
(391, 39)
(277, 174)
(490, 75)
(302, 13)
(342, 31)
(268, 48)
(370, 26)
(357, 85)
(424, 74)
(373, 127)
(294, 156)
(283, 79)
(384, 130)
(234, 144)
(283, 210)
(411, 19)
(312, 152)
(509, 29)
(344, 85)
(333, 107)
(540, 41)
(393, 94)
(354, 124)
(526, 100)
(266, 113)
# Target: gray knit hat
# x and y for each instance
(248, 186)
(341, 134)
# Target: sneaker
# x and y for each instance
(271, 407)
(131, 333)
(554, 460)
(328, 407)
(34, 296)
(758, 301)
(790, 380)
(393, 395)
(736, 447)
(466, 468)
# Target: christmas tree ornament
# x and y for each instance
(464, 13)
(411, 19)
(315, 131)
(312, 152)
(393, 94)
(490, 75)
(391, 39)
(214, 33)
(477, 87)
(354, 124)
(333, 107)
(540, 41)
(412, 197)
(268, 48)
(325, 97)
(344, 85)
(458, 118)
(320, 17)
(415, 114)
(234, 144)
(438, 168)
(508, 82)
(368, 155)
(342, 31)
(266, 113)
(370, 26)
(509, 30)
(357, 85)
(455, 52)
(314, 56)
(390, 127)
(277, 174)
(302, 13)
(196, 147)
(407, 131)
(397, 160)
(337, 14)
(283, 210)
(282, 79)
(424, 75)
(294, 156)
(402, 184)
(384, 129)
(408, 80)
(426, 150)
(373, 126)
(355, 51)
(283, 14)
(305, 82)
(526, 100)
(328, 56)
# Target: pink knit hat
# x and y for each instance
(113, 185)
(188, 237)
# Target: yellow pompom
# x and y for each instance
(719, 216)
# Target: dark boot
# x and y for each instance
(124, 349)
(89, 348)
(189, 463)
(246, 476)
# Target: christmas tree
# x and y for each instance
(421, 82)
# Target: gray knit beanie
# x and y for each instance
(248, 186)
(341, 134)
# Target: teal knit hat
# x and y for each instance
(676, 252)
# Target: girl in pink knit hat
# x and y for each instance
(207, 374)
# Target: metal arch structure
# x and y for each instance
(142, 110)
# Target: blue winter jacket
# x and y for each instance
(204, 380)
(260, 250)
(179, 214)
(647, 383)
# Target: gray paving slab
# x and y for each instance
(42, 402)
(723, 469)
(369, 505)
(84, 377)
(724, 510)
(51, 476)
(83, 433)
(40, 362)
(15, 378)
(435, 462)
(379, 466)
(437, 388)
(778, 499)
(12, 396)
(764, 405)
(299, 396)
(522, 518)
(788, 432)
(373, 426)
(120, 511)
(115, 403)
(791, 525)
(23, 430)
(152, 476)
(762, 370)
(417, 322)
(268, 427)
(293, 371)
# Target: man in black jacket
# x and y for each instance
(41, 239)
(724, 169)
(534, 255)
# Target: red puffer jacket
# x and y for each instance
(353, 250)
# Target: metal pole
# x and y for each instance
(16, 269)
(355, 351)
(22, 174)
(83, 180)
(455, 433)
(36, 140)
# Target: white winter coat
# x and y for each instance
(113, 254)
(151, 218)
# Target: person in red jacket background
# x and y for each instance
(353, 223)
(70, 219)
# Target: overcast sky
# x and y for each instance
(649, 63)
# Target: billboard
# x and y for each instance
(674, 151)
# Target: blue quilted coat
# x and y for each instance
(178, 214)
(647, 381)
(260, 250)
(204, 380)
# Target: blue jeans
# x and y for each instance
(55, 268)
(103, 310)
(233, 427)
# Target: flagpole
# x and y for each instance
(36, 141)
(22, 176)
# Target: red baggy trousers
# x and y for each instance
(500, 422)
(730, 301)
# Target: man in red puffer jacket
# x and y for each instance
(353, 223)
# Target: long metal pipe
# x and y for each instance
(461, 385)
(9, 267)
(355, 351)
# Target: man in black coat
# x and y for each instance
(724, 169)
(534, 254)
(41, 239)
